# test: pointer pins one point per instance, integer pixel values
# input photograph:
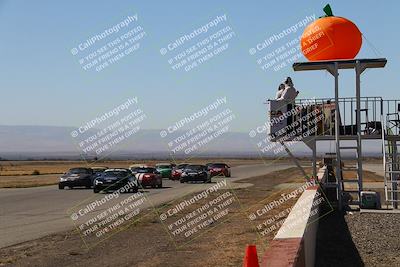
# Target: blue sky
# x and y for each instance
(42, 83)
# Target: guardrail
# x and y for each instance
(294, 244)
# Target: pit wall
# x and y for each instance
(294, 244)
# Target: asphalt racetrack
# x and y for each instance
(30, 213)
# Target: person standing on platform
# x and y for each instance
(289, 94)
(281, 88)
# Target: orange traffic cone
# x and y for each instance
(250, 257)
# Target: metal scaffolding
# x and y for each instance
(350, 114)
(359, 65)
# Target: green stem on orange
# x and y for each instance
(328, 11)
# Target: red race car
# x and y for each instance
(148, 176)
(177, 171)
(219, 169)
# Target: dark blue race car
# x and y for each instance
(195, 173)
(115, 179)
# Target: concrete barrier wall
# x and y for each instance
(294, 244)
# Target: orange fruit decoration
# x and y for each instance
(331, 38)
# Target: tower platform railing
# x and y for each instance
(315, 117)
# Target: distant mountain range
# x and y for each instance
(38, 142)
(56, 142)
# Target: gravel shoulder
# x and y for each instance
(358, 239)
(376, 238)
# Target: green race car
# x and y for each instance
(165, 169)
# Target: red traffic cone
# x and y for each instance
(250, 257)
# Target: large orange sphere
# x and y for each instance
(331, 38)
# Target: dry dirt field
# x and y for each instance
(147, 243)
(14, 168)
(18, 174)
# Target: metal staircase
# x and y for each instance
(347, 181)
(391, 159)
(349, 175)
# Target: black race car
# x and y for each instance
(98, 170)
(77, 177)
(114, 179)
(195, 173)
